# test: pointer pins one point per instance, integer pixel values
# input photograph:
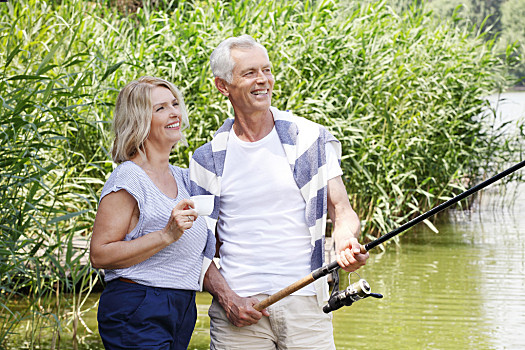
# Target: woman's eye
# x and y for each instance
(158, 109)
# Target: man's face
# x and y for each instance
(252, 85)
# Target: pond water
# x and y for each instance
(509, 107)
(463, 288)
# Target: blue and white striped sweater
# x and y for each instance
(304, 144)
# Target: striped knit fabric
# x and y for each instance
(304, 144)
(179, 265)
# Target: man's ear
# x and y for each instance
(221, 86)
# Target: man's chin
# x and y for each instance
(263, 105)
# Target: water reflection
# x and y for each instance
(463, 288)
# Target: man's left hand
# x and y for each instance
(352, 255)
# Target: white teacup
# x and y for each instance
(203, 204)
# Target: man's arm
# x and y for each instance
(350, 254)
(239, 310)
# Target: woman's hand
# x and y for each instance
(182, 217)
(117, 215)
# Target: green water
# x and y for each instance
(463, 288)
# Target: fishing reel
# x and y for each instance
(354, 292)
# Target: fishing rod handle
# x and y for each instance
(320, 272)
(272, 299)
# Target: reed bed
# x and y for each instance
(403, 93)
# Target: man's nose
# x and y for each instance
(261, 77)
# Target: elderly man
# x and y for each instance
(275, 177)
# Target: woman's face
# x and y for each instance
(166, 118)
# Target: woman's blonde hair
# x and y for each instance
(132, 117)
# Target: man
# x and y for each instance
(274, 176)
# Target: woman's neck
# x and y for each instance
(153, 162)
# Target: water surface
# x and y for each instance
(463, 288)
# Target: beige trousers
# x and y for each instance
(295, 323)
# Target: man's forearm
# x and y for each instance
(344, 218)
(345, 229)
(215, 284)
(240, 311)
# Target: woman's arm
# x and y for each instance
(117, 215)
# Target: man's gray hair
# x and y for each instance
(221, 61)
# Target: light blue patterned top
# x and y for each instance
(177, 266)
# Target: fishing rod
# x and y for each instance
(361, 289)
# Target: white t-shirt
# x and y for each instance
(266, 244)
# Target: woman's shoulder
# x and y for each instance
(128, 176)
(127, 171)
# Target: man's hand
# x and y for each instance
(240, 310)
(351, 255)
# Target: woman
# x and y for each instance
(147, 236)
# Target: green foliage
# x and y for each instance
(401, 91)
(482, 14)
(512, 12)
(50, 155)
(500, 20)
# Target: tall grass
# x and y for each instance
(402, 93)
(51, 155)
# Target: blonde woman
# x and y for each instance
(147, 237)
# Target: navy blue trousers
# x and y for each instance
(134, 316)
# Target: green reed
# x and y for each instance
(402, 93)
(49, 166)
